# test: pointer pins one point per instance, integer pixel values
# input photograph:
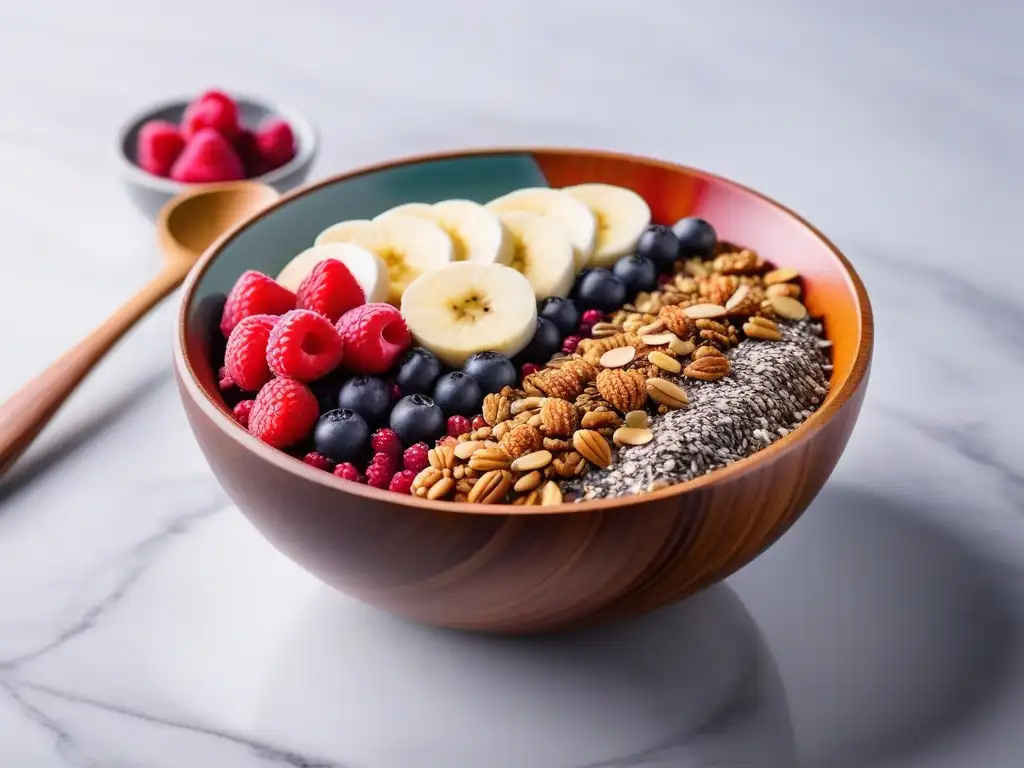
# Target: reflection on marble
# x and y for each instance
(143, 623)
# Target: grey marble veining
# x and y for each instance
(144, 624)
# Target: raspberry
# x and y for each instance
(207, 157)
(569, 344)
(529, 368)
(380, 471)
(245, 145)
(447, 440)
(478, 423)
(254, 294)
(402, 481)
(375, 335)
(241, 412)
(592, 317)
(304, 346)
(415, 457)
(158, 145)
(245, 359)
(330, 290)
(318, 461)
(276, 143)
(584, 331)
(213, 110)
(224, 380)
(386, 441)
(458, 425)
(349, 471)
(284, 412)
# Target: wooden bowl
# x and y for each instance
(519, 570)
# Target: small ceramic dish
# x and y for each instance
(149, 192)
(506, 569)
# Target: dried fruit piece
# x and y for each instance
(708, 368)
(592, 447)
(491, 487)
(558, 417)
(664, 362)
(667, 393)
(632, 436)
(624, 390)
(618, 357)
(787, 307)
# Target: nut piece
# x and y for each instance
(491, 487)
(600, 419)
(571, 464)
(441, 457)
(651, 328)
(550, 494)
(787, 307)
(465, 450)
(664, 362)
(531, 461)
(783, 289)
(636, 419)
(707, 351)
(592, 447)
(558, 417)
(632, 436)
(427, 477)
(708, 368)
(657, 339)
(496, 408)
(680, 347)
(581, 370)
(528, 482)
(604, 330)
(526, 404)
(531, 499)
(522, 440)
(488, 459)
(666, 393)
(737, 299)
(441, 488)
(624, 390)
(740, 263)
(676, 320)
(618, 357)
(762, 328)
(705, 311)
(783, 275)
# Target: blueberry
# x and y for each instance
(546, 342)
(368, 396)
(637, 272)
(562, 312)
(492, 370)
(601, 289)
(659, 244)
(458, 394)
(696, 237)
(341, 435)
(417, 371)
(417, 418)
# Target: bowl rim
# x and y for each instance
(223, 420)
(306, 135)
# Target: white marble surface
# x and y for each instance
(143, 624)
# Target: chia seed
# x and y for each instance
(772, 388)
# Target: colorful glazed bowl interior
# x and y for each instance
(516, 569)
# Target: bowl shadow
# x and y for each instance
(692, 684)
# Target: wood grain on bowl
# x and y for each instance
(520, 569)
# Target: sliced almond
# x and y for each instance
(681, 347)
(664, 362)
(632, 436)
(532, 461)
(738, 297)
(550, 494)
(666, 393)
(618, 357)
(705, 311)
(465, 450)
(636, 419)
(657, 339)
(783, 275)
(791, 309)
(656, 327)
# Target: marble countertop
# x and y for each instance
(144, 624)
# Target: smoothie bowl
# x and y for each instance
(518, 391)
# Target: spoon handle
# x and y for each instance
(29, 409)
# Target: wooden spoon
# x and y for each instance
(186, 227)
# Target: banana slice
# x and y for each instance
(622, 216)
(574, 216)
(366, 267)
(469, 307)
(543, 253)
(476, 233)
(407, 245)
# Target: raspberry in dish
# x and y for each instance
(254, 294)
(303, 345)
(375, 337)
(283, 413)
